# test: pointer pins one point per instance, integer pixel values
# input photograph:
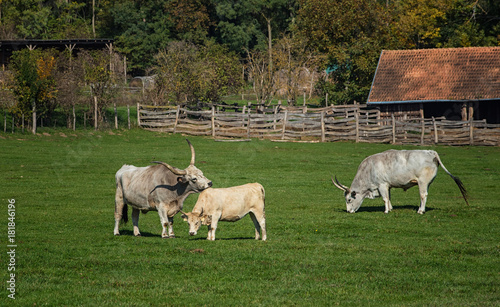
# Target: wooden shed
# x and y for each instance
(455, 83)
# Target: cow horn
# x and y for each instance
(340, 185)
(171, 168)
(193, 155)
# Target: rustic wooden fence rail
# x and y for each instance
(330, 124)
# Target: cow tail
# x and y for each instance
(263, 199)
(457, 181)
(125, 214)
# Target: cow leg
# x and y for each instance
(260, 225)
(135, 221)
(386, 196)
(256, 224)
(167, 223)
(422, 187)
(118, 217)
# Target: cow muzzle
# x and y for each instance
(192, 233)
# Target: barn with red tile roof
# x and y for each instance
(457, 83)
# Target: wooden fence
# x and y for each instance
(336, 123)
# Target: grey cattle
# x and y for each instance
(228, 204)
(161, 188)
(378, 173)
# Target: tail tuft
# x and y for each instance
(462, 188)
(125, 214)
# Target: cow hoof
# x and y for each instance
(138, 235)
(421, 212)
(117, 234)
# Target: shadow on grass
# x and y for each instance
(223, 239)
(126, 232)
(382, 208)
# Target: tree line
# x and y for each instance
(200, 50)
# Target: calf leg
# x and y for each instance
(135, 221)
(213, 226)
(211, 231)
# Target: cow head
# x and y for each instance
(191, 176)
(195, 220)
(353, 199)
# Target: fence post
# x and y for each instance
(248, 125)
(95, 112)
(138, 116)
(393, 129)
(74, 119)
(435, 130)
(275, 111)
(322, 126)
(284, 125)
(356, 115)
(423, 132)
(471, 132)
(177, 117)
(213, 121)
(128, 116)
(116, 116)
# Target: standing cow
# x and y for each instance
(228, 204)
(161, 188)
(404, 169)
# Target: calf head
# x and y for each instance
(353, 199)
(191, 176)
(195, 220)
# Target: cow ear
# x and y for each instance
(353, 194)
(184, 217)
(181, 179)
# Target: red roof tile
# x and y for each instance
(437, 74)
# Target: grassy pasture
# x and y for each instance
(316, 253)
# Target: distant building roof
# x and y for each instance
(451, 74)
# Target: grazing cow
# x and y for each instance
(228, 204)
(161, 188)
(404, 169)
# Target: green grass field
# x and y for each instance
(316, 253)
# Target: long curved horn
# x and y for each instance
(171, 168)
(193, 155)
(340, 185)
